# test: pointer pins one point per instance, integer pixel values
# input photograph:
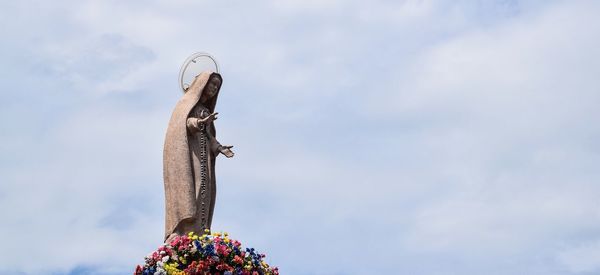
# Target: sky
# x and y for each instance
(380, 137)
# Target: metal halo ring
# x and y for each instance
(194, 65)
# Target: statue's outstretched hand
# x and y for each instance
(210, 118)
(226, 150)
(213, 116)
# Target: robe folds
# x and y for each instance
(189, 162)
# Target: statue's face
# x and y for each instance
(212, 87)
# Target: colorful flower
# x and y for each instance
(208, 253)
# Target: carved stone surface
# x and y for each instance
(189, 157)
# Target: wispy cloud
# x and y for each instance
(421, 137)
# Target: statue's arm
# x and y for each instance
(217, 148)
(193, 125)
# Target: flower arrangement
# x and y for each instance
(209, 253)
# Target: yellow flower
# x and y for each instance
(172, 269)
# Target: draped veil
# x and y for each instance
(178, 170)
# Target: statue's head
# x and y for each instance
(205, 89)
(212, 86)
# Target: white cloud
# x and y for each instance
(582, 258)
(413, 136)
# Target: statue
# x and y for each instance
(189, 157)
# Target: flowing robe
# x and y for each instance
(189, 163)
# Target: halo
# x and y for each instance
(194, 65)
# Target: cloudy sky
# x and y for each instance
(380, 137)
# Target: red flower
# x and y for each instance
(223, 267)
(238, 260)
(196, 268)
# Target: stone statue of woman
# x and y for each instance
(189, 157)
